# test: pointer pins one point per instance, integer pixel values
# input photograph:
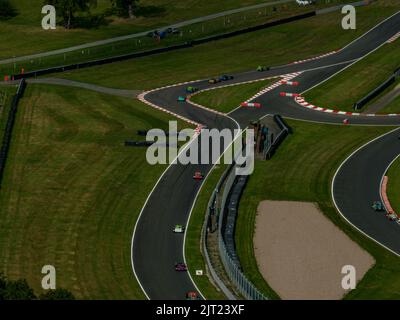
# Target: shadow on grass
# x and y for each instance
(7, 10)
(150, 11)
(90, 21)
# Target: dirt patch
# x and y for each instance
(300, 253)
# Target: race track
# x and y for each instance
(155, 248)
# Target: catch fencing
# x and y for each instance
(216, 211)
(226, 246)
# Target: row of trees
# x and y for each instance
(20, 290)
(68, 8)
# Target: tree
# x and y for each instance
(125, 8)
(68, 8)
(17, 290)
(20, 290)
(57, 294)
(7, 10)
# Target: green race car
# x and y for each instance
(262, 68)
(191, 89)
(377, 206)
(179, 228)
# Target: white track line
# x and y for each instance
(191, 141)
(333, 195)
(142, 98)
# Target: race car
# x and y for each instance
(191, 295)
(181, 267)
(214, 81)
(392, 216)
(180, 98)
(262, 68)
(198, 175)
(225, 77)
(191, 89)
(179, 228)
(377, 206)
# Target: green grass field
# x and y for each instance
(277, 45)
(72, 191)
(310, 157)
(23, 34)
(394, 185)
(349, 86)
(226, 99)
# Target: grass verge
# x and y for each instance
(393, 107)
(355, 82)
(72, 191)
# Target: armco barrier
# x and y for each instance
(378, 90)
(285, 130)
(226, 211)
(233, 270)
(159, 50)
(9, 128)
(229, 216)
(243, 285)
(230, 262)
(209, 227)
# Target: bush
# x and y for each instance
(20, 290)
(7, 10)
(17, 290)
(57, 294)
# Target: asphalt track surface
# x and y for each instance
(155, 248)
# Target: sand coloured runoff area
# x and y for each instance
(300, 252)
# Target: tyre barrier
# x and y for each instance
(210, 226)
(9, 128)
(221, 217)
(251, 104)
(290, 83)
(230, 215)
(226, 227)
(287, 94)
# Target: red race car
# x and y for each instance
(180, 267)
(191, 295)
(198, 175)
